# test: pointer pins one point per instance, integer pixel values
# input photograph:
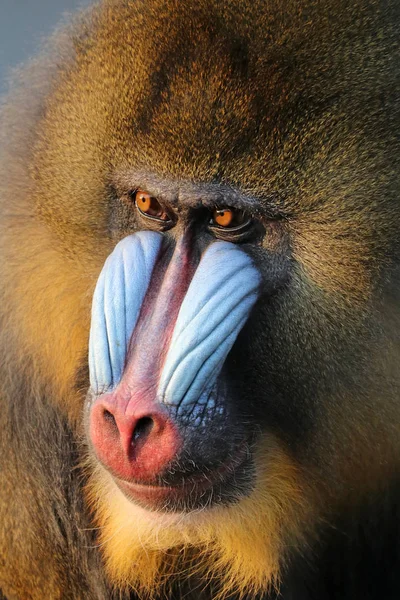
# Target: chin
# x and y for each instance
(235, 532)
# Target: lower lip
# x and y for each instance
(155, 497)
(152, 496)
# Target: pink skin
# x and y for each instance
(154, 497)
(131, 459)
(131, 431)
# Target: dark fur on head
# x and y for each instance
(294, 103)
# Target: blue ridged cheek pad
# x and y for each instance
(117, 301)
(217, 304)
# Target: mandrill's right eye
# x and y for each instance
(150, 207)
(156, 216)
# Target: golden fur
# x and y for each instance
(261, 96)
(240, 548)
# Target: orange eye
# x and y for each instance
(150, 206)
(223, 217)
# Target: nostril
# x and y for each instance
(109, 418)
(142, 429)
(134, 445)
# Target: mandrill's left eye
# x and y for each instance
(150, 206)
(228, 217)
(230, 223)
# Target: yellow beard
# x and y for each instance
(237, 549)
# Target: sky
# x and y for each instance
(23, 24)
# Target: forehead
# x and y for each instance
(247, 94)
(200, 88)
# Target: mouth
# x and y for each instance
(223, 485)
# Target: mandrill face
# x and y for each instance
(163, 420)
(219, 179)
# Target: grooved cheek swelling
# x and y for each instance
(117, 301)
(219, 299)
(217, 304)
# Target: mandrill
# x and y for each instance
(200, 305)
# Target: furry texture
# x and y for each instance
(294, 104)
(236, 550)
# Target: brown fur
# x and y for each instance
(262, 96)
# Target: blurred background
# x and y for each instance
(23, 25)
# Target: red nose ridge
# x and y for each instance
(135, 440)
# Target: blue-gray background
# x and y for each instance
(23, 24)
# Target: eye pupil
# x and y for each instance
(143, 201)
(223, 217)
